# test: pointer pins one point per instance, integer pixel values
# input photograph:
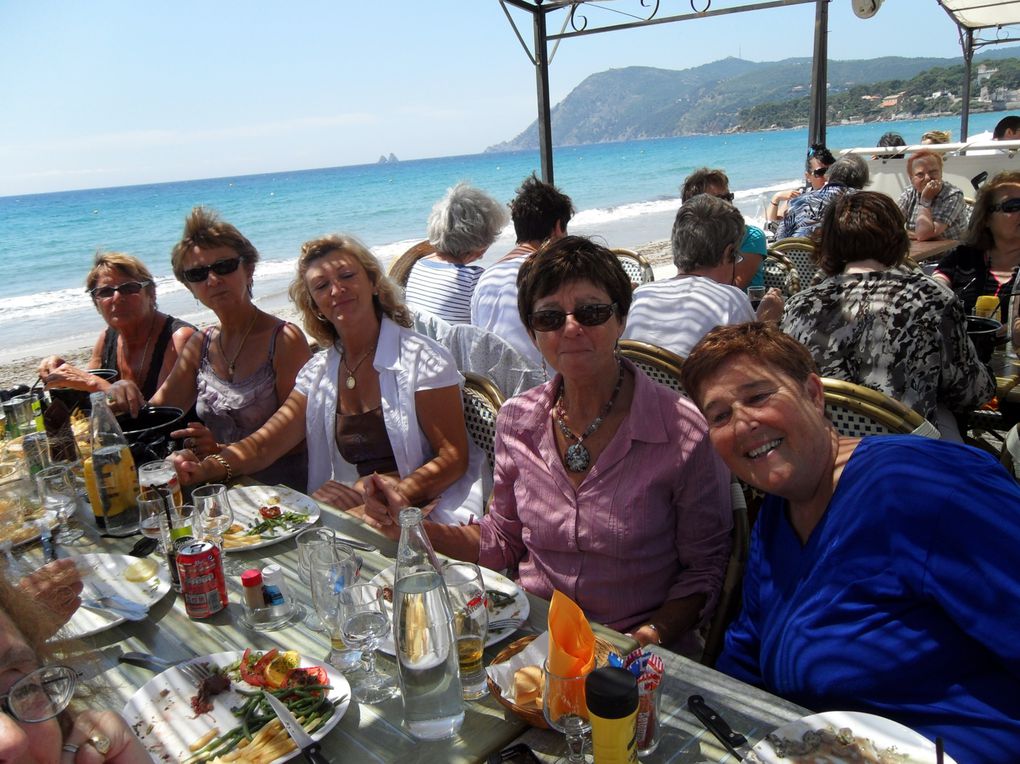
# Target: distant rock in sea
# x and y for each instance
(383, 159)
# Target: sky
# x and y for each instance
(119, 92)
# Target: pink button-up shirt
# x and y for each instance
(649, 523)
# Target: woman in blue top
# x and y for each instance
(882, 574)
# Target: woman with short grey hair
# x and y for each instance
(462, 226)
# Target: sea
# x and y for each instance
(627, 193)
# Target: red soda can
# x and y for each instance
(203, 585)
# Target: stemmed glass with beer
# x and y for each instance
(470, 624)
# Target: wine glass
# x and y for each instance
(214, 513)
(564, 707)
(58, 492)
(364, 623)
(332, 569)
(153, 521)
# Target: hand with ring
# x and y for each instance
(198, 439)
(101, 737)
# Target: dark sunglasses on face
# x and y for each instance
(819, 172)
(127, 288)
(586, 315)
(220, 268)
(1007, 206)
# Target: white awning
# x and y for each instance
(981, 14)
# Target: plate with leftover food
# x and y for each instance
(839, 736)
(267, 514)
(127, 580)
(179, 719)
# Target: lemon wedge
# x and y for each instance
(282, 664)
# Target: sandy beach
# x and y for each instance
(23, 370)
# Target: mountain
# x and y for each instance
(645, 102)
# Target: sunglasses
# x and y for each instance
(585, 315)
(220, 268)
(728, 197)
(127, 288)
(1008, 206)
(819, 172)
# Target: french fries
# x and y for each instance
(240, 540)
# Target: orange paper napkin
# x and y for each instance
(571, 649)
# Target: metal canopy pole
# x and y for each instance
(819, 74)
(545, 146)
(967, 41)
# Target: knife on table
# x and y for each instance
(734, 742)
(309, 748)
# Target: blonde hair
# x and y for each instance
(387, 299)
(129, 265)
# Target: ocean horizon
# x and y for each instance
(626, 192)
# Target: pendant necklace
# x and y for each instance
(231, 362)
(351, 381)
(577, 457)
(136, 373)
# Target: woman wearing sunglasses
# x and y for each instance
(238, 372)
(140, 343)
(987, 260)
(381, 399)
(40, 722)
(606, 486)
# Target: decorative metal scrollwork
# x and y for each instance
(579, 21)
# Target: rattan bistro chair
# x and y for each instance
(638, 270)
(780, 273)
(728, 606)
(856, 411)
(801, 252)
(662, 365)
(401, 267)
(482, 400)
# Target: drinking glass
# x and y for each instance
(159, 478)
(364, 623)
(329, 577)
(470, 624)
(309, 541)
(59, 493)
(755, 295)
(564, 707)
(20, 414)
(213, 509)
(153, 520)
(986, 305)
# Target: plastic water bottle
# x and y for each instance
(427, 661)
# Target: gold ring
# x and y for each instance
(100, 742)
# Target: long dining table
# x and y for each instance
(374, 733)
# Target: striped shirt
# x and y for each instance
(442, 289)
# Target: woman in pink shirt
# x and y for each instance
(606, 486)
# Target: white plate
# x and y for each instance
(246, 501)
(104, 574)
(29, 532)
(160, 712)
(884, 733)
(519, 608)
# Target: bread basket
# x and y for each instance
(532, 715)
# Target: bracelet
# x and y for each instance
(221, 460)
(923, 203)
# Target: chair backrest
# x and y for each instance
(728, 606)
(401, 267)
(482, 400)
(856, 411)
(490, 356)
(638, 270)
(780, 273)
(662, 365)
(801, 253)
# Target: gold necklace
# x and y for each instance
(351, 381)
(244, 338)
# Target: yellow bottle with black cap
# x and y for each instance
(612, 697)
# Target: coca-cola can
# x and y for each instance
(203, 584)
